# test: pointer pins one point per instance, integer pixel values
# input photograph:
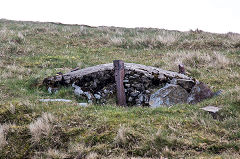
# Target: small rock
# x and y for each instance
(131, 89)
(83, 104)
(88, 95)
(78, 91)
(211, 109)
(147, 92)
(131, 77)
(137, 85)
(94, 85)
(130, 99)
(127, 85)
(52, 90)
(146, 85)
(146, 99)
(97, 96)
(135, 93)
(125, 81)
(138, 102)
(106, 91)
(141, 98)
(186, 84)
(136, 75)
(161, 77)
(144, 79)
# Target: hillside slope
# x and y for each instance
(31, 51)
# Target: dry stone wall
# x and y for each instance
(97, 84)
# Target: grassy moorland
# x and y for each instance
(31, 51)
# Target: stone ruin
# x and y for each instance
(143, 85)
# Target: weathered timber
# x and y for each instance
(147, 71)
(119, 76)
(181, 69)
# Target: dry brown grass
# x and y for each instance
(117, 41)
(3, 140)
(42, 126)
(145, 41)
(12, 44)
(197, 59)
(168, 38)
(233, 36)
(121, 137)
(92, 155)
(14, 71)
(53, 153)
(3, 131)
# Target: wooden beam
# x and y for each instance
(119, 76)
(181, 69)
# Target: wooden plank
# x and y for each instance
(149, 71)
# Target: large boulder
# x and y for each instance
(199, 92)
(169, 95)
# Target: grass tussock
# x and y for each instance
(3, 140)
(52, 153)
(41, 127)
(31, 51)
(92, 155)
(117, 41)
(197, 59)
(4, 130)
(124, 136)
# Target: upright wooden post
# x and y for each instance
(119, 76)
(181, 69)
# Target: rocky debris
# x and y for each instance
(97, 96)
(97, 84)
(77, 90)
(52, 90)
(80, 93)
(89, 96)
(169, 95)
(211, 109)
(199, 92)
